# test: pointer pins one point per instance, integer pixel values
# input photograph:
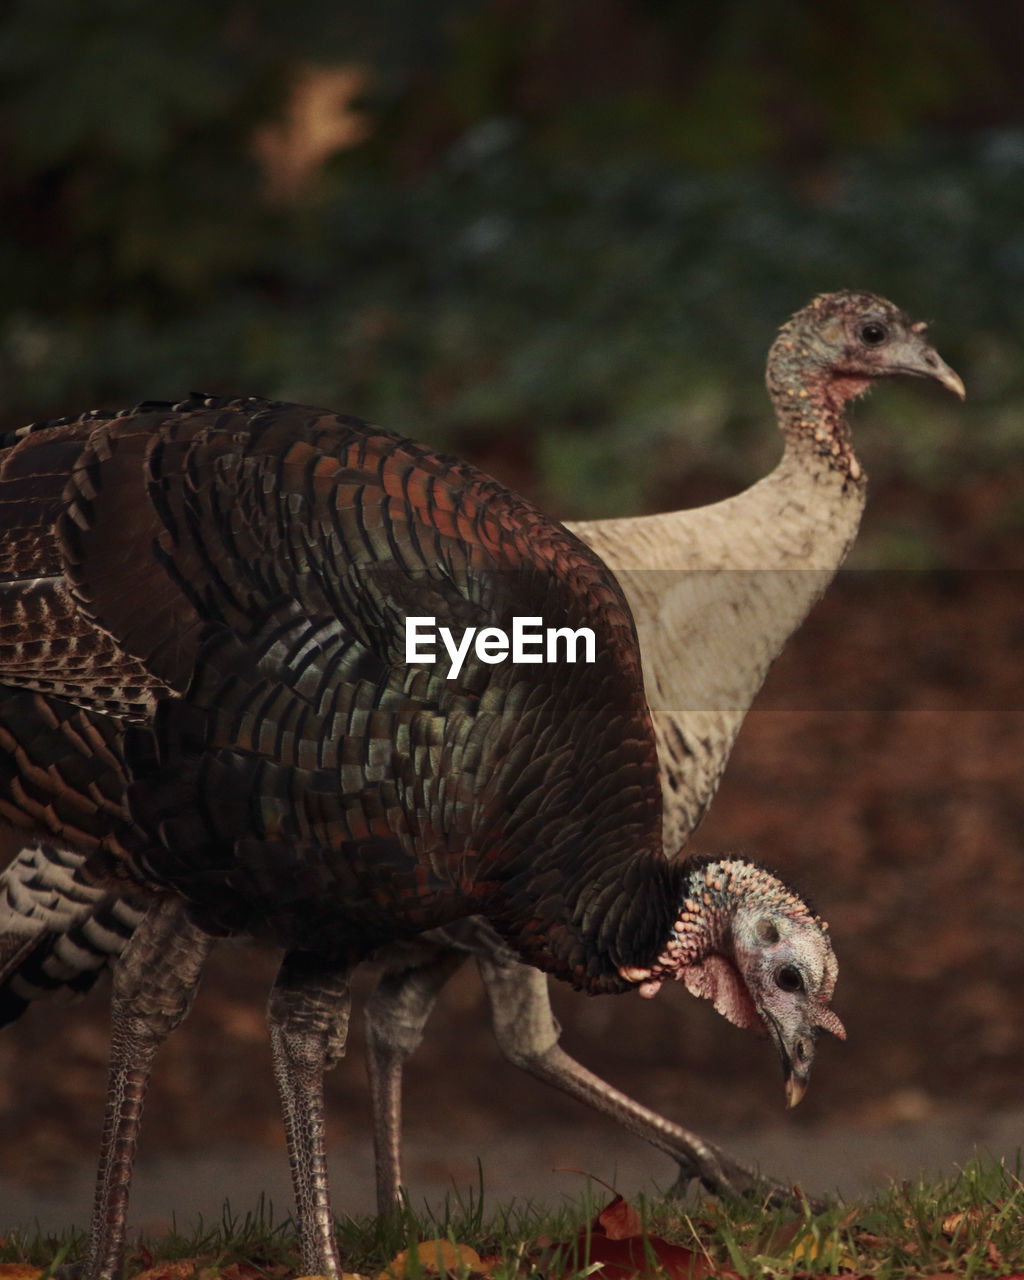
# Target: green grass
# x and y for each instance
(971, 1224)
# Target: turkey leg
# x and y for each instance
(308, 1015)
(527, 1034)
(155, 980)
(396, 1014)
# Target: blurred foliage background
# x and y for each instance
(555, 235)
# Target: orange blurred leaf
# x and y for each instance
(18, 1271)
(973, 1217)
(181, 1270)
(203, 1268)
(437, 1257)
(995, 1259)
(233, 1271)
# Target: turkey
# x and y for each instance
(715, 593)
(206, 689)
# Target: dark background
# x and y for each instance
(558, 238)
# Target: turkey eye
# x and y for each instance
(788, 979)
(873, 333)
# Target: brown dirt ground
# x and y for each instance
(880, 771)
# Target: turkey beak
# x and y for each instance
(922, 361)
(795, 1089)
(796, 1050)
(796, 1046)
(949, 378)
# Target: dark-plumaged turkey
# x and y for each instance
(204, 688)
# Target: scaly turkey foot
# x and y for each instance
(721, 1175)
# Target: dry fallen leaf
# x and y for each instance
(437, 1257)
(233, 1271)
(995, 1259)
(972, 1217)
(182, 1270)
(807, 1249)
(799, 1242)
(203, 1268)
(18, 1271)
(618, 1250)
(619, 1220)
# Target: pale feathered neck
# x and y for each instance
(810, 397)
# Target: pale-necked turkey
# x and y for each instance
(204, 686)
(715, 593)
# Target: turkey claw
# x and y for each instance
(728, 1179)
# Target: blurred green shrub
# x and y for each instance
(591, 321)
